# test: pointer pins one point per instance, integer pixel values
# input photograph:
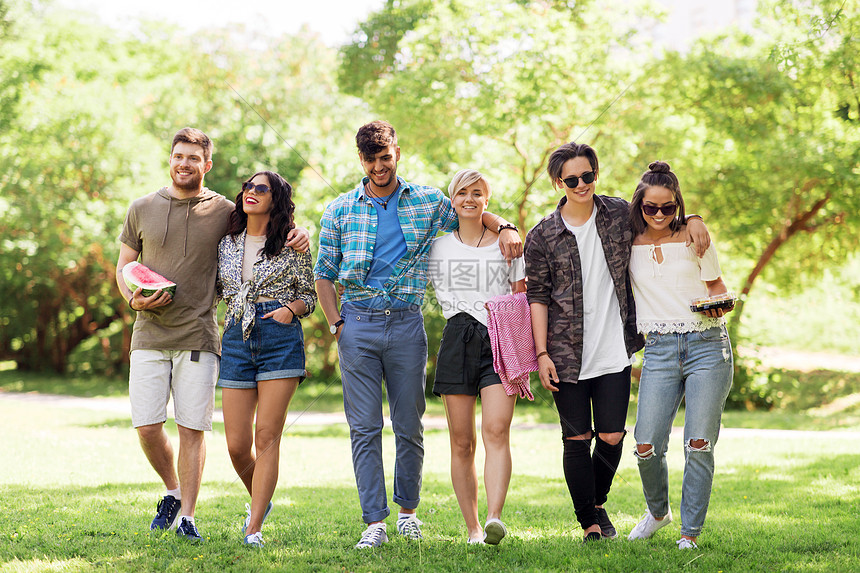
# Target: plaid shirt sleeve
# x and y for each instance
(330, 254)
(447, 216)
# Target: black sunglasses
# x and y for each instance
(668, 209)
(261, 189)
(573, 181)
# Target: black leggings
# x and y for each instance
(589, 476)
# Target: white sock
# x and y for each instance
(177, 493)
(401, 515)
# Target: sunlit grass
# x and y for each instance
(80, 494)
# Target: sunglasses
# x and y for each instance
(587, 177)
(260, 189)
(668, 209)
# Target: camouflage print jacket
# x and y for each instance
(555, 279)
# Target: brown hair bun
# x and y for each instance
(659, 167)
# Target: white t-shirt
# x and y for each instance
(603, 348)
(253, 245)
(663, 290)
(466, 277)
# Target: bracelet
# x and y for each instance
(544, 353)
(131, 307)
(699, 217)
(507, 226)
(291, 311)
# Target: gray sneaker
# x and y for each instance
(410, 527)
(648, 526)
(373, 536)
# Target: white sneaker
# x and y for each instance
(647, 526)
(410, 527)
(494, 531)
(373, 536)
(255, 540)
(685, 543)
(248, 515)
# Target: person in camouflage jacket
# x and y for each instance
(584, 325)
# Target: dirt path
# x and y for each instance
(120, 406)
(772, 357)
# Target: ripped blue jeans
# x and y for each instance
(697, 366)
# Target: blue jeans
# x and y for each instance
(697, 366)
(389, 345)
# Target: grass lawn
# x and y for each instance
(77, 494)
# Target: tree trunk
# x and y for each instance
(800, 222)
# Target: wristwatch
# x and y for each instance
(333, 327)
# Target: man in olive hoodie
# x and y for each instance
(175, 347)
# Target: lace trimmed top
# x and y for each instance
(663, 290)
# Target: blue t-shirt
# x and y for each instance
(390, 247)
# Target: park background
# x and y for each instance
(759, 118)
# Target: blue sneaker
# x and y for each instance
(166, 512)
(248, 515)
(188, 530)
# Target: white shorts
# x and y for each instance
(155, 374)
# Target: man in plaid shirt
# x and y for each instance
(375, 240)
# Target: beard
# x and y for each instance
(191, 184)
(391, 178)
(387, 183)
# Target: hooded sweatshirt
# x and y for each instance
(178, 239)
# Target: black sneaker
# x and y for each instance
(188, 530)
(166, 512)
(607, 530)
(591, 536)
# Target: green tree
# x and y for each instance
(67, 155)
(496, 86)
(762, 129)
(764, 132)
(87, 118)
(782, 143)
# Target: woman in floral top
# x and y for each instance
(267, 287)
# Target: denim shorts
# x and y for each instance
(465, 361)
(273, 350)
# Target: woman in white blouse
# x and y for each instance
(687, 354)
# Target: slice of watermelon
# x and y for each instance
(137, 276)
